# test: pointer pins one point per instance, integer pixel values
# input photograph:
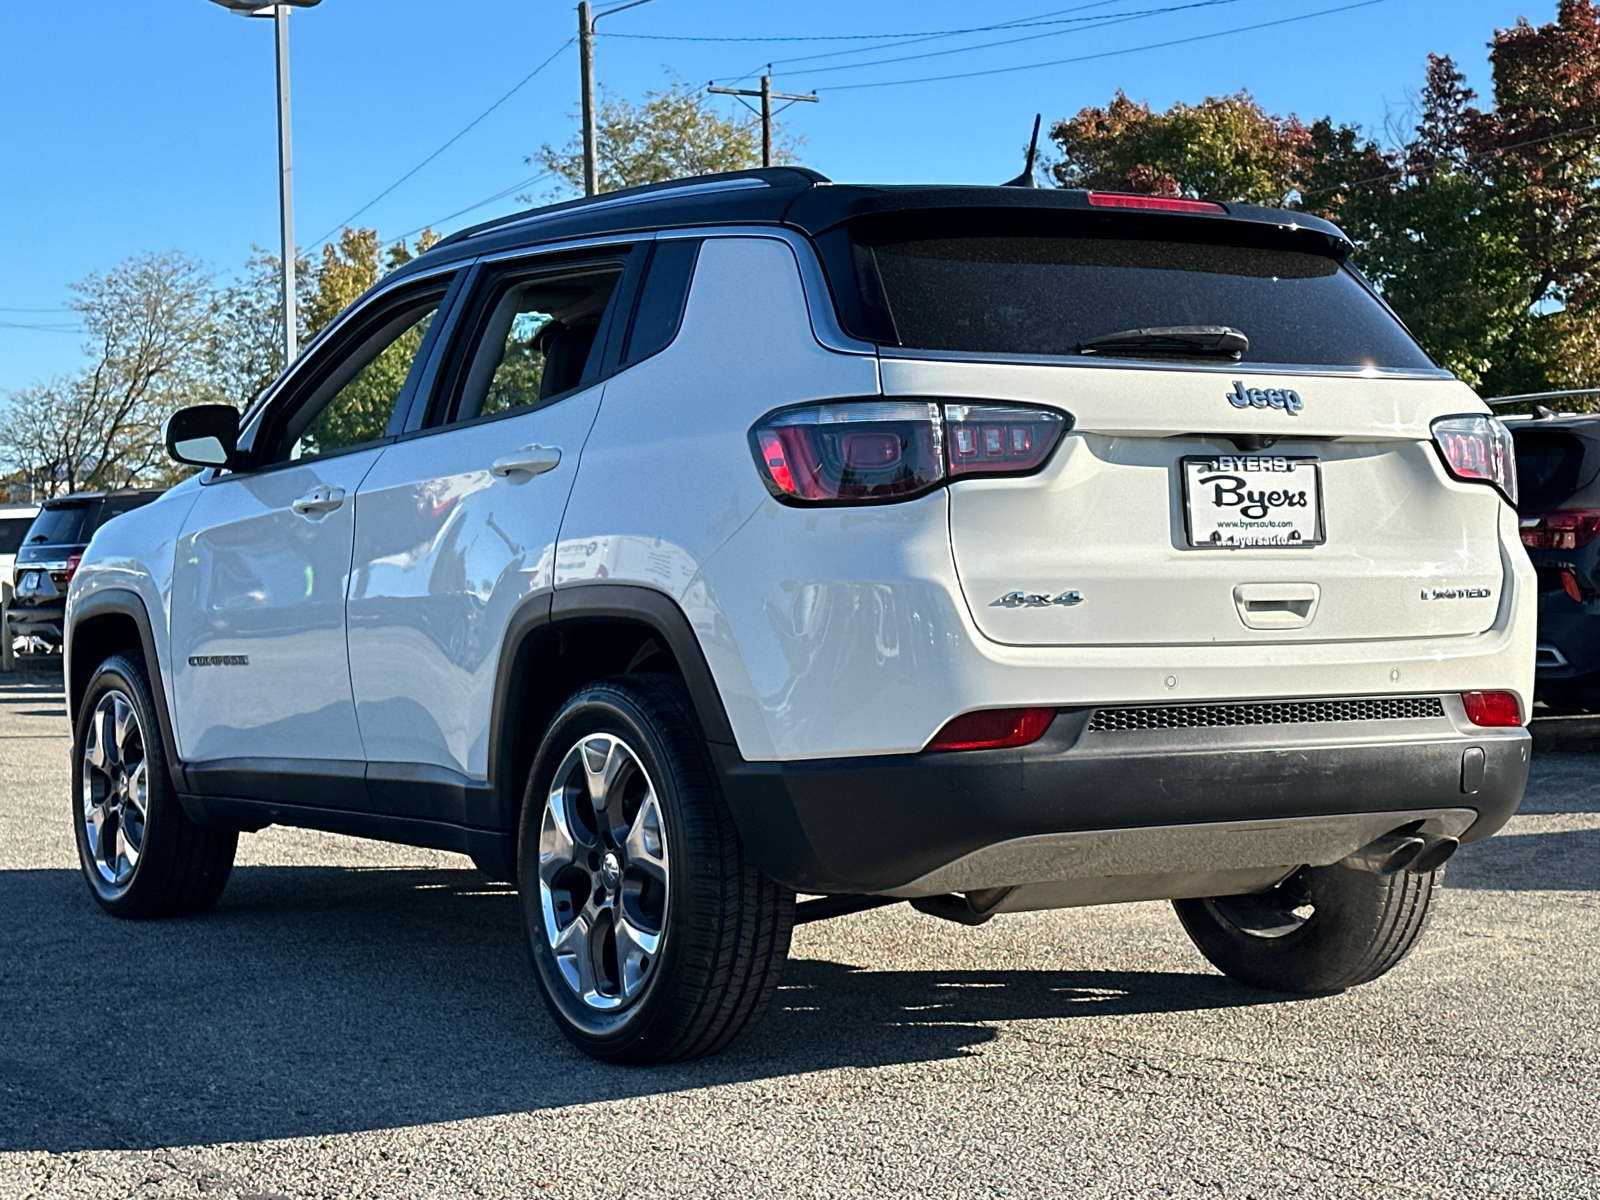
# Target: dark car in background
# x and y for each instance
(48, 556)
(1558, 476)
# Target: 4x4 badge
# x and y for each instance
(1285, 398)
(1037, 599)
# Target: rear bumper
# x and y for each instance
(1158, 802)
(44, 620)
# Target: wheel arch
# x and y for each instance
(104, 623)
(560, 641)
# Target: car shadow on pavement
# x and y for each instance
(1568, 861)
(319, 1000)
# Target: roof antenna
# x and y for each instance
(1026, 179)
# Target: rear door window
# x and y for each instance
(1548, 464)
(660, 309)
(1022, 286)
(537, 339)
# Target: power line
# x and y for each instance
(1019, 23)
(1057, 62)
(36, 310)
(914, 40)
(452, 141)
(500, 195)
(1090, 23)
(42, 328)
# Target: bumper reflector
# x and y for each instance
(1492, 709)
(994, 729)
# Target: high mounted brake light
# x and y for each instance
(1170, 204)
(1478, 449)
(878, 451)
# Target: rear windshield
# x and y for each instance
(62, 526)
(1548, 462)
(12, 531)
(1021, 291)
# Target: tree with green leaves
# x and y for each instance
(149, 321)
(675, 133)
(1482, 228)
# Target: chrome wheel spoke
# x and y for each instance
(123, 725)
(646, 847)
(601, 762)
(636, 954)
(138, 793)
(94, 750)
(127, 851)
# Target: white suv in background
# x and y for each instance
(678, 551)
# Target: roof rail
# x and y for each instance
(725, 181)
(1526, 397)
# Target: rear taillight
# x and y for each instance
(1153, 203)
(878, 451)
(1478, 449)
(1570, 529)
(992, 729)
(1492, 709)
(61, 578)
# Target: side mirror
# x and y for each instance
(203, 435)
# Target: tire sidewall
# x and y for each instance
(604, 708)
(121, 673)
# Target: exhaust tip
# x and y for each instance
(1390, 854)
(1434, 855)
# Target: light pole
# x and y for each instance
(280, 18)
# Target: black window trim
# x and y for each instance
(328, 350)
(432, 407)
(625, 341)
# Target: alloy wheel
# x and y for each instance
(116, 789)
(603, 888)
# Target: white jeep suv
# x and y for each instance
(679, 551)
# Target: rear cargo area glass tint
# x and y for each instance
(64, 525)
(1548, 463)
(1008, 294)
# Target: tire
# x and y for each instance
(157, 863)
(1360, 926)
(654, 936)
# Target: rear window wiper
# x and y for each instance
(1221, 340)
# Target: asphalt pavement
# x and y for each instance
(359, 1020)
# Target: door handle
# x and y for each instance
(530, 460)
(319, 500)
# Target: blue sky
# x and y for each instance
(131, 127)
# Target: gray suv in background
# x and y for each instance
(49, 554)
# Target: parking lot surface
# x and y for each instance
(356, 1019)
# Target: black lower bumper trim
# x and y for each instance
(873, 824)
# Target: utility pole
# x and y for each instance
(586, 24)
(591, 171)
(767, 97)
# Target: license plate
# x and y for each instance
(1236, 501)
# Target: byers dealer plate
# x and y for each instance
(1235, 501)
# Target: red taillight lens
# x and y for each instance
(874, 451)
(993, 729)
(1153, 203)
(1478, 449)
(995, 439)
(1570, 529)
(72, 565)
(1494, 709)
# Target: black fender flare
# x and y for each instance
(123, 602)
(572, 606)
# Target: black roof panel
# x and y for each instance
(809, 202)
